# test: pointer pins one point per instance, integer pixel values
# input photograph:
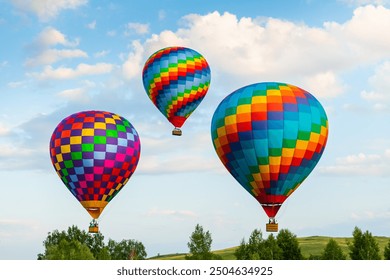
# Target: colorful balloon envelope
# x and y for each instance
(176, 79)
(270, 136)
(94, 153)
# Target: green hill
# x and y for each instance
(310, 246)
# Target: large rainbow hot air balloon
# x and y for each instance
(94, 153)
(176, 79)
(270, 136)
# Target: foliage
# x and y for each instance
(68, 250)
(387, 251)
(272, 251)
(258, 248)
(126, 250)
(363, 246)
(288, 243)
(76, 244)
(333, 251)
(200, 245)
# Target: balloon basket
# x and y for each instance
(176, 131)
(93, 229)
(271, 227)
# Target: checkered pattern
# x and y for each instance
(94, 154)
(176, 79)
(270, 136)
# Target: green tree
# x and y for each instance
(68, 250)
(272, 251)
(64, 244)
(387, 251)
(200, 245)
(363, 246)
(95, 242)
(252, 250)
(241, 252)
(288, 242)
(258, 248)
(126, 250)
(333, 251)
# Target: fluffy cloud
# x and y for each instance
(64, 73)
(379, 94)
(251, 50)
(44, 54)
(360, 165)
(51, 37)
(52, 55)
(158, 159)
(47, 9)
(134, 63)
(365, 34)
(138, 28)
(324, 85)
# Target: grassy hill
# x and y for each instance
(312, 245)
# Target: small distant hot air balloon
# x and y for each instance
(270, 136)
(94, 153)
(176, 79)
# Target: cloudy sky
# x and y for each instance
(61, 57)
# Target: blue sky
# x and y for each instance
(61, 57)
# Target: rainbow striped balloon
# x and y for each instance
(270, 136)
(176, 79)
(94, 153)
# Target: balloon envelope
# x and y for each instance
(270, 136)
(176, 79)
(94, 153)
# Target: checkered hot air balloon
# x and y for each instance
(270, 136)
(94, 153)
(176, 79)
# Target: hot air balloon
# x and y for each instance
(94, 153)
(176, 79)
(270, 136)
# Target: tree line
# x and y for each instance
(76, 244)
(285, 246)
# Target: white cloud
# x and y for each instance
(132, 67)
(9, 151)
(4, 130)
(75, 94)
(44, 54)
(101, 53)
(16, 84)
(91, 25)
(360, 165)
(51, 37)
(64, 73)
(324, 85)
(111, 33)
(380, 85)
(47, 9)
(180, 214)
(138, 28)
(366, 2)
(365, 35)
(157, 159)
(80, 94)
(369, 215)
(53, 55)
(246, 50)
